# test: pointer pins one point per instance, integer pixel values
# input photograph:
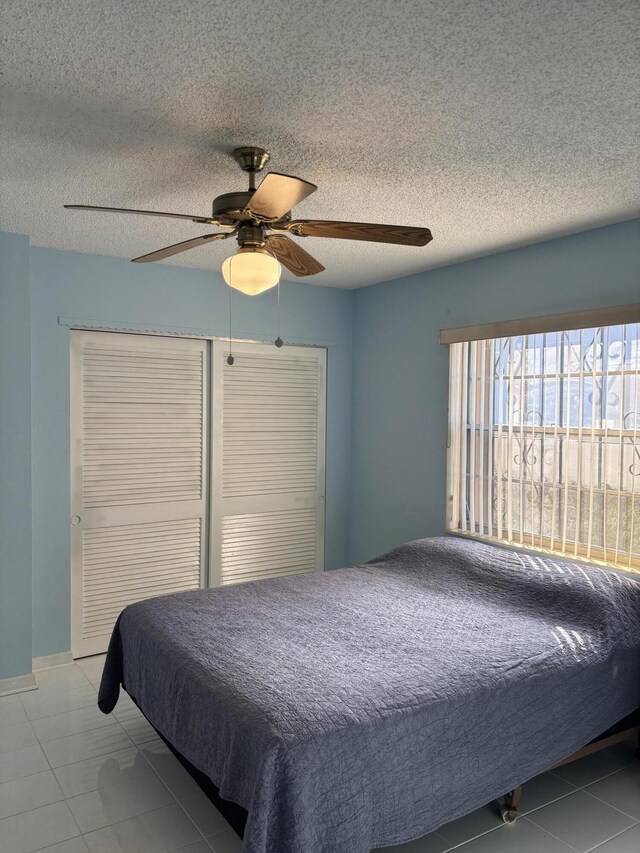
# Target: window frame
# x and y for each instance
(464, 361)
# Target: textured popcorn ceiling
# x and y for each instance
(496, 123)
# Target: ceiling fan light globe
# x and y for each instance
(251, 271)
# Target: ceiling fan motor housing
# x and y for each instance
(231, 208)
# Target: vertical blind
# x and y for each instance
(544, 442)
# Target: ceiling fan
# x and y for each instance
(260, 218)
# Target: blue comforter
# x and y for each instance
(365, 707)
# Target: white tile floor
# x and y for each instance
(73, 780)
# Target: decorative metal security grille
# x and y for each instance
(544, 442)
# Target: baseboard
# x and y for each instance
(17, 684)
(51, 661)
(23, 683)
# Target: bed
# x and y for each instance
(354, 709)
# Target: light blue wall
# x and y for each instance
(393, 448)
(400, 372)
(15, 458)
(109, 290)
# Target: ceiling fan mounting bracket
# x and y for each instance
(250, 158)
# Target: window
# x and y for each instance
(544, 442)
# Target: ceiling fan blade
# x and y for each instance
(277, 195)
(206, 219)
(292, 256)
(400, 234)
(180, 247)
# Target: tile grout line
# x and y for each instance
(599, 846)
(555, 837)
(75, 734)
(19, 705)
(46, 757)
(83, 731)
(197, 828)
(56, 713)
(583, 788)
(123, 820)
(63, 800)
(604, 802)
(65, 666)
(150, 811)
(566, 843)
(137, 746)
(549, 802)
(506, 828)
(448, 849)
(173, 795)
(575, 791)
(593, 781)
(53, 693)
(474, 837)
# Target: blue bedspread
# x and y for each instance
(365, 707)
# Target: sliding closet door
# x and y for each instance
(268, 462)
(138, 473)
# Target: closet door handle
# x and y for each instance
(75, 519)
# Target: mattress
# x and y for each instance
(365, 707)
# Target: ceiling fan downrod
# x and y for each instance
(251, 160)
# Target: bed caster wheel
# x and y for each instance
(509, 815)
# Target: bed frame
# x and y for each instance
(627, 729)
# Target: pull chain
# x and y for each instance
(230, 358)
(279, 342)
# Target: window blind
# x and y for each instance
(544, 441)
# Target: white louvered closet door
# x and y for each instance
(138, 475)
(268, 462)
